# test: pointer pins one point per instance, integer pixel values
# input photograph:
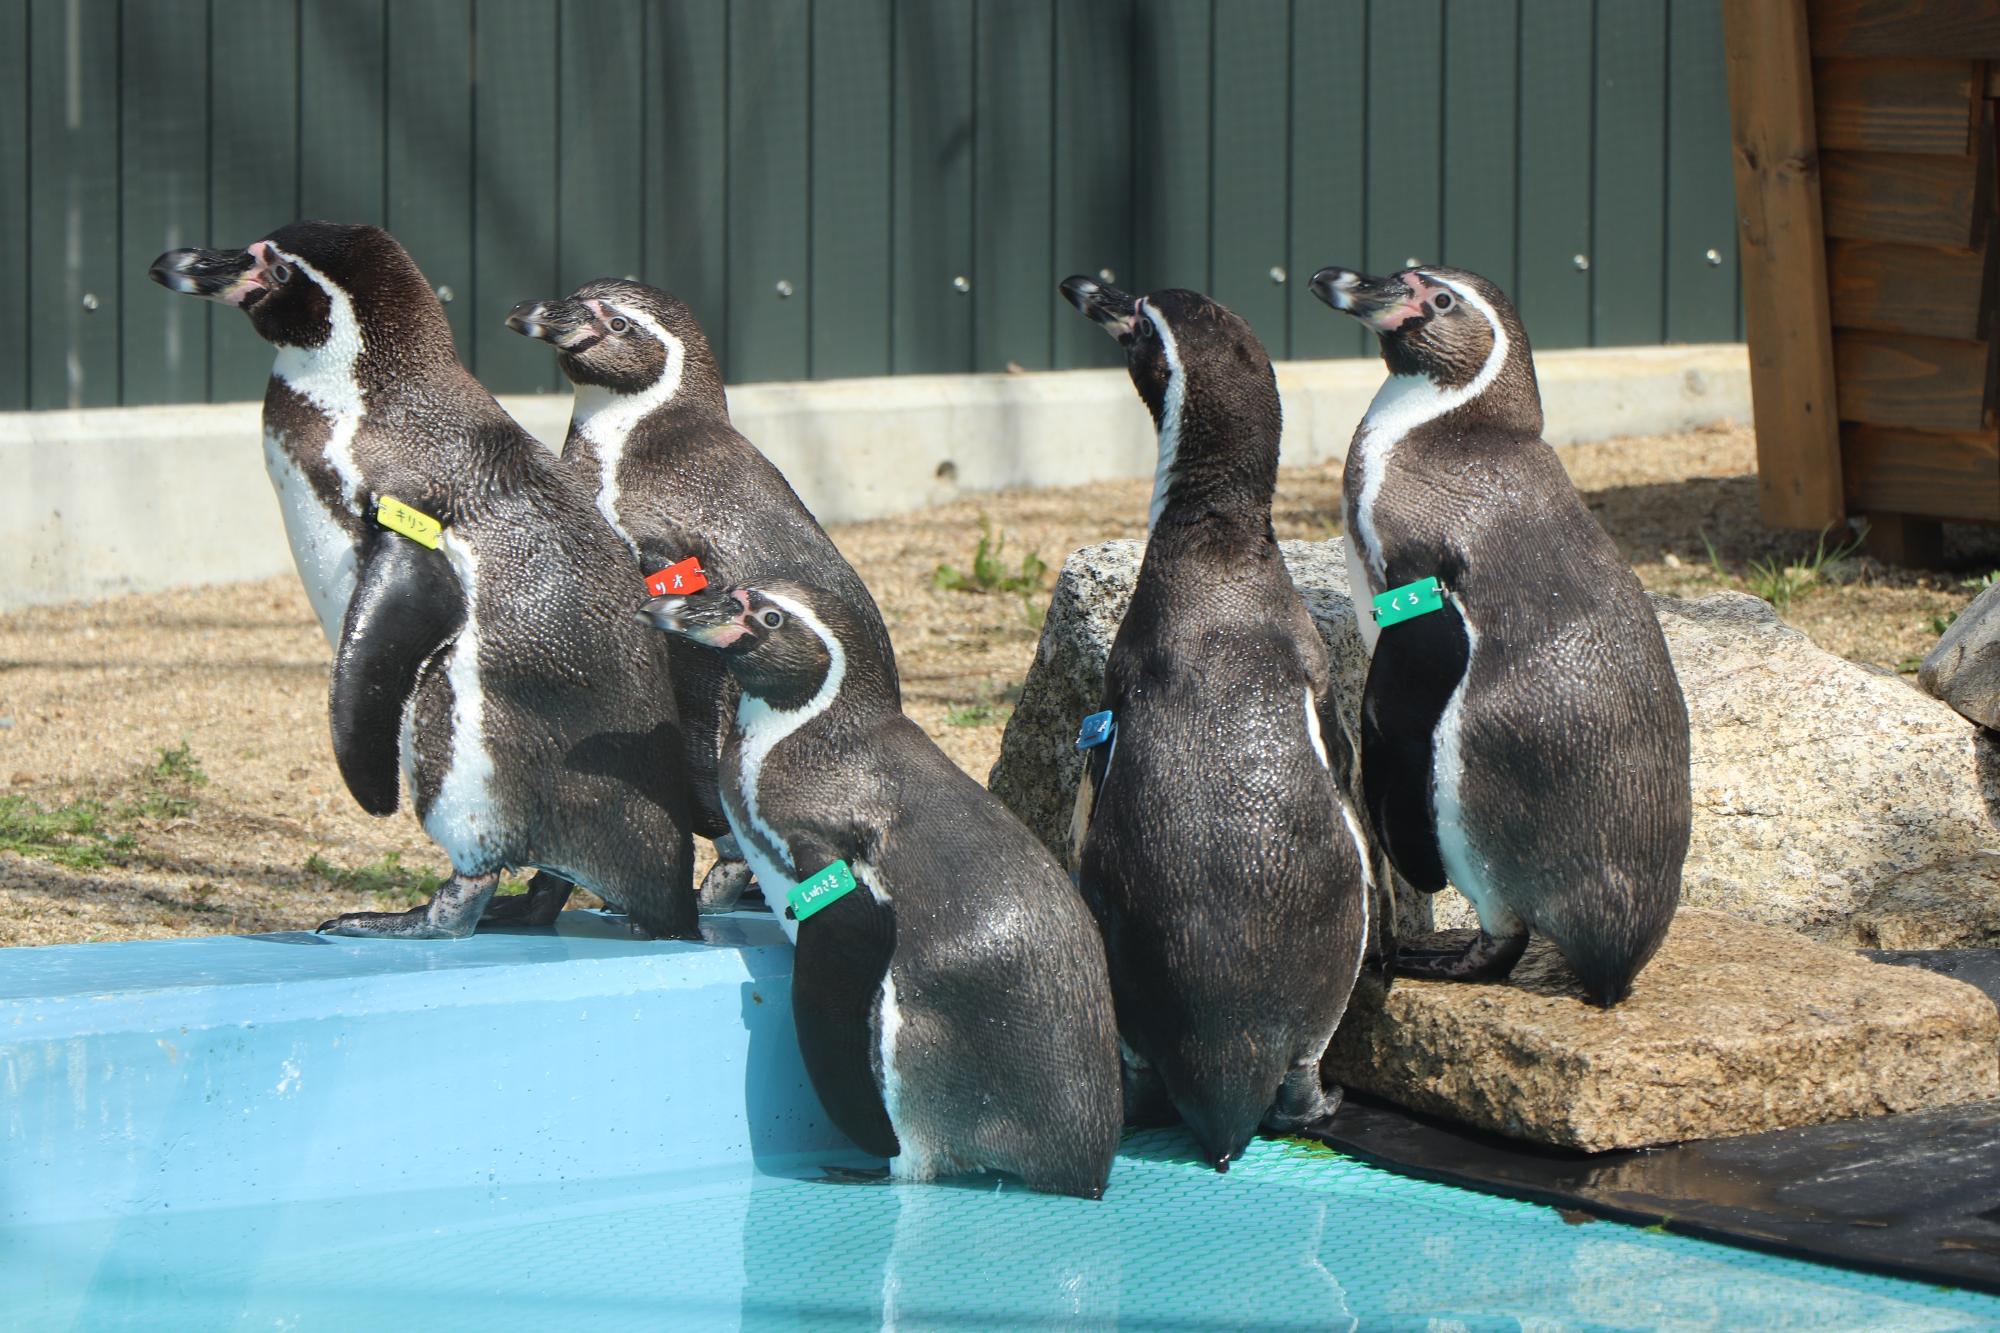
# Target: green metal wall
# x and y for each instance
(917, 174)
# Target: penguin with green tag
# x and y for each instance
(1523, 732)
(1217, 845)
(479, 606)
(949, 986)
(650, 436)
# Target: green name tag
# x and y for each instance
(1412, 599)
(827, 887)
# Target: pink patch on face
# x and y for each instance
(723, 635)
(1394, 317)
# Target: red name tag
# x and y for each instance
(677, 580)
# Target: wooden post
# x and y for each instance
(1899, 539)
(1786, 306)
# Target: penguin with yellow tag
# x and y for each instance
(479, 606)
(1217, 846)
(1523, 732)
(650, 436)
(949, 987)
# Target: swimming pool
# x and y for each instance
(369, 1133)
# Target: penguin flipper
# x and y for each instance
(1416, 667)
(838, 971)
(407, 603)
(1096, 766)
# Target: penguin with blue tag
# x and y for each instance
(1523, 732)
(949, 985)
(1218, 848)
(695, 501)
(479, 606)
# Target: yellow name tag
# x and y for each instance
(415, 524)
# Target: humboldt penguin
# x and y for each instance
(1219, 851)
(479, 606)
(651, 438)
(1523, 732)
(949, 986)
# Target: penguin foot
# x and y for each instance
(1486, 958)
(722, 887)
(539, 906)
(1304, 1106)
(452, 914)
(854, 1175)
(1147, 1103)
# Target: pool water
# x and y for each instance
(575, 1129)
(1294, 1237)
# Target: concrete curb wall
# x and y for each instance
(117, 500)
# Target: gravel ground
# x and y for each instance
(170, 751)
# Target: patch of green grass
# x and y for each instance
(1779, 581)
(73, 835)
(169, 786)
(975, 715)
(387, 878)
(179, 767)
(989, 568)
(1939, 624)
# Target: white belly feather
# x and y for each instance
(322, 550)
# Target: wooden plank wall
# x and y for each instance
(857, 187)
(1903, 103)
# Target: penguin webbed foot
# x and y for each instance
(723, 887)
(546, 896)
(853, 1175)
(1305, 1107)
(453, 913)
(1484, 958)
(1147, 1104)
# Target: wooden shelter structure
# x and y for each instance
(1869, 214)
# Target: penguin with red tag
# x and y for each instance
(949, 986)
(1523, 732)
(1218, 848)
(479, 606)
(695, 501)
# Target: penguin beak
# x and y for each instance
(1383, 304)
(1116, 311)
(714, 619)
(569, 326)
(233, 277)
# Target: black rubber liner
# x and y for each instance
(1914, 1196)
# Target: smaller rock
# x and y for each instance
(1733, 1028)
(1964, 668)
(1951, 905)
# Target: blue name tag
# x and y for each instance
(1096, 730)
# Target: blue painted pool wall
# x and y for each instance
(216, 1073)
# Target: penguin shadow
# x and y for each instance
(646, 761)
(974, 1252)
(783, 1118)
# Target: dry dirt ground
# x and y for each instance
(165, 767)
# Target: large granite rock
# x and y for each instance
(1822, 791)
(1733, 1028)
(1964, 668)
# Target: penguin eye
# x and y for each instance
(1441, 302)
(1142, 328)
(772, 619)
(618, 324)
(281, 273)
